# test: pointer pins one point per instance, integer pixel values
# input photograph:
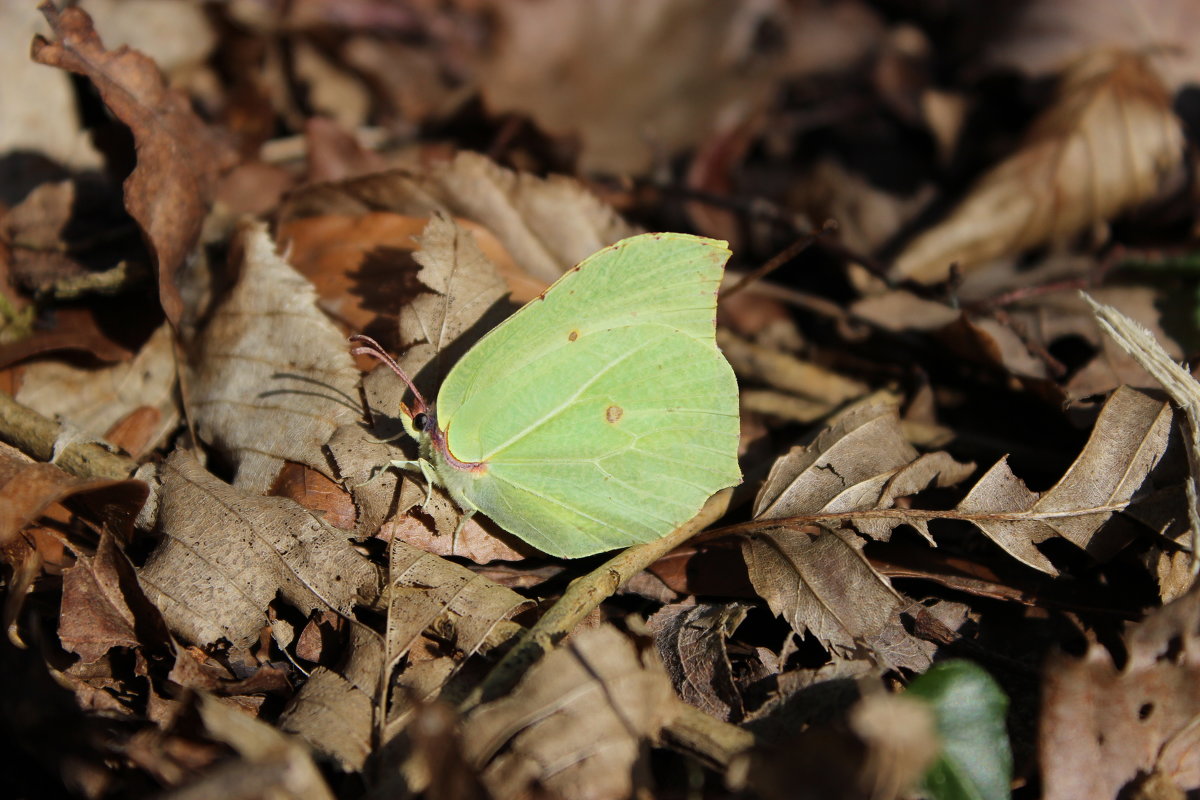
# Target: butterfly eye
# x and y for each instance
(420, 421)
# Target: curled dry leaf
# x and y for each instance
(1105, 145)
(226, 554)
(179, 157)
(577, 722)
(98, 606)
(30, 488)
(691, 641)
(1105, 726)
(273, 376)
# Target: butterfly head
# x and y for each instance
(419, 420)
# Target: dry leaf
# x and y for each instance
(42, 100)
(1048, 34)
(274, 377)
(1129, 438)
(226, 554)
(546, 225)
(576, 724)
(179, 157)
(270, 764)
(96, 613)
(335, 711)
(817, 577)
(430, 595)
(31, 488)
(346, 712)
(691, 640)
(1106, 144)
(95, 400)
(1105, 726)
(462, 291)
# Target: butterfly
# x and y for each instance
(599, 415)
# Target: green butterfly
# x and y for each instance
(599, 415)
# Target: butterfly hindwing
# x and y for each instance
(604, 411)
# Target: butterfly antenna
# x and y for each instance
(375, 350)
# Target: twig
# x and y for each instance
(37, 436)
(581, 597)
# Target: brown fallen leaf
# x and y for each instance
(1129, 437)
(1107, 725)
(1106, 144)
(432, 596)
(337, 710)
(817, 577)
(546, 225)
(31, 488)
(576, 724)
(462, 298)
(94, 400)
(273, 376)
(691, 640)
(96, 612)
(348, 710)
(226, 554)
(269, 762)
(179, 157)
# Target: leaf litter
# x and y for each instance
(960, 475)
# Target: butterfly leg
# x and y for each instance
(462, 523)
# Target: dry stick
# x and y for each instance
(779, 259)
(583, 595)
(36, 436)
(1180, 386)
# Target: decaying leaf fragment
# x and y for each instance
(576, 724)
(337, 709)
(273, 376)
(1105, 726)
(691, 640)
(1105, 145)
(226, 554)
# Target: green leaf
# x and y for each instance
(976, 759)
